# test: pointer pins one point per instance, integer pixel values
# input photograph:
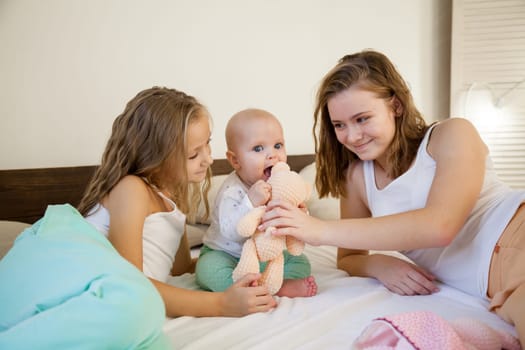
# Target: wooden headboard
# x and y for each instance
(26, 193)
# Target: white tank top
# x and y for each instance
(161, 237)
(464, 264)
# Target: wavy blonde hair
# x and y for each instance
(147, 137)
(374, 72)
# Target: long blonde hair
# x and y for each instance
(374, 72)
(149, 134)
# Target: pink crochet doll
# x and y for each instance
(263, 246)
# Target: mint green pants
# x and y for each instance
(214, 268)
(64, 286)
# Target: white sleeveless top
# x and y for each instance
(161, 237)
(465, 263)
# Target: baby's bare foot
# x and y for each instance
(303, 287)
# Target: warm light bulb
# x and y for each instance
(482, 111)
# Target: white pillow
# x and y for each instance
(326, 208)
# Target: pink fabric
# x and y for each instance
(425, 330)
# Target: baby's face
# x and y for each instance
(258, 146)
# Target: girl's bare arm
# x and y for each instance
(460, 157)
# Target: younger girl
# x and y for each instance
(146, 185)
(428, 191)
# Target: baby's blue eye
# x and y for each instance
(258, 148)
(278, 146)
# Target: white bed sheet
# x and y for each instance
(332, 319)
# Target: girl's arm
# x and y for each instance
(239, 300)
(460, 166)
(129, 203)
(398, 275)
(354, 205)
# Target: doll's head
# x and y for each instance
(288, 185)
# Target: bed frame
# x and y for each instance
(25, 193)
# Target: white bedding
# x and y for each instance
(332, 319)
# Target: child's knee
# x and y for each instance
(214, 271)
(215, 279)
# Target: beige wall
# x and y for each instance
(68, 67)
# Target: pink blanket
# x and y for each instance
(425, 330)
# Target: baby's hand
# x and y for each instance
(259, 193)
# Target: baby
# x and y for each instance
(255, 143)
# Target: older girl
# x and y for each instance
(428, 191)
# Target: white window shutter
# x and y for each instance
(488, 78)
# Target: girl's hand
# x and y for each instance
(259, 193)
(293, 221)
(402, 277)
(245, 297)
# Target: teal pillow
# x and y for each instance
(64, 285)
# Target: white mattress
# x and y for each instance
(332, 319)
